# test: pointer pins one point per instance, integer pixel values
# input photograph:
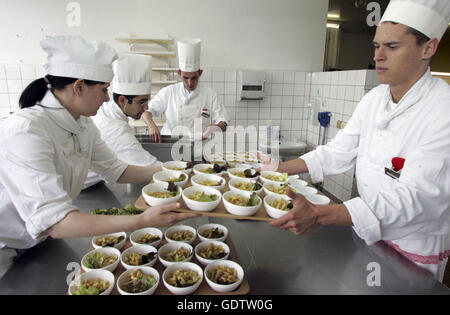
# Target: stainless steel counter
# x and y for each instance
(331, 260)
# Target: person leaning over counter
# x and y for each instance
(406, 117)
(47, 147)
(131, 86)
(185, 101)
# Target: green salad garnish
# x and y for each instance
(207, 198)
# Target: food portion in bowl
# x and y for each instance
(92, 287)
(177, 255)
(282, 204)
(182, 278)
(180, 178)
(137, 282)
(211, 169)
(202, 197)
(223, 275)
(181, 236)
(128, 210)
(240, 200)
(276, 178)
(209, 182)
(147, 238)
(136, 259)
(212, 251)
(247, 185)
(99, 260)
(212, 233)
(108, 240)
(171, 191)
(178, 165)
(247, 173)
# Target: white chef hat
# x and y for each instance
(430, 17)
(73, 57)
(189, 54)
(132, 75)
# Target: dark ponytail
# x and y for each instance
(37, 89)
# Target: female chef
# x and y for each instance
(403, 119)
(47, 147)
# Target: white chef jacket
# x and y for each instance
(411, 213)
(45, 155)
(119, 135)
(182, 107)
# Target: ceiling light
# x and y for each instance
(332, 25)
(333, 15)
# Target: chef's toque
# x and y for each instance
(73, 57)
(132, 75)
(430, 17)
(189, 54)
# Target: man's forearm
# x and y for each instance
(336, 214)
(295, 166)
(147, 117)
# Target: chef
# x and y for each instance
(405, 122)
(131, 86)
(47, 147)
(187, 102)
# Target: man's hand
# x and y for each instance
(299, 220)
(153, 132)
(163, 216)
(208, 130)
(269, 164)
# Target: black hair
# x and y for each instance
(128, 97)
(35, 91)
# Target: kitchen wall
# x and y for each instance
(252, 34)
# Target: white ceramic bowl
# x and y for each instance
(170, 247)
(236, 169)
(199, 167)
(153, 201)
(297, 182)
(205, 227)
(204, 206)
(184, 266)
(224, 287)
(118, 245)
(266, 180)
(178, 228)
(177, 164)
(202, 245)
(305, 190)
(139, 249)
(240, 210)
(145, 270)
(163, 176)
(106, 251)
(104, 275)
(235, 181)
(271, 211)
(318, 199)
(138, 233)
(197, 179)
(267, 185)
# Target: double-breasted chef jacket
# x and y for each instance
(182, 107)
(411, 213)
(45, 155)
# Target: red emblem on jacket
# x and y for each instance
(397, 163)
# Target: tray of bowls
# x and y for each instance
(182, 260)
(221, 190)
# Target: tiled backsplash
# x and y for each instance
(288, 95)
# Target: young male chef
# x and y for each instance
(186, 102)
(131, 86)
(405, 119)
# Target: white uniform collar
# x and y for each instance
(60, 115)
(113, 110)
(411, 98)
